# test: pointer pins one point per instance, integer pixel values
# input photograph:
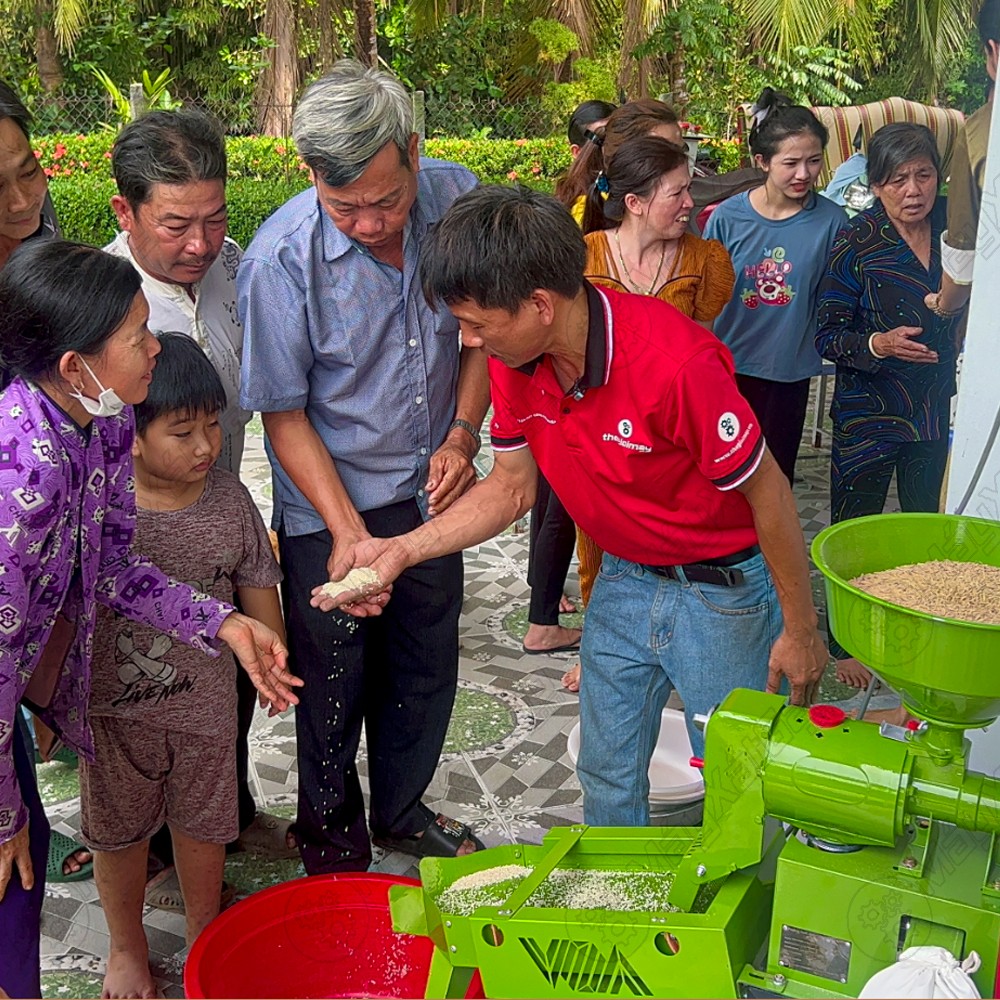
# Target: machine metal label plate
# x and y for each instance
(818, 954)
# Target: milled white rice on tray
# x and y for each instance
(569, 889)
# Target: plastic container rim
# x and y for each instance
(837, 579)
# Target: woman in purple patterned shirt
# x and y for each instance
(75, 352)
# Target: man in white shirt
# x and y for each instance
(170, 169)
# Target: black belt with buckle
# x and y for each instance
(718, 571)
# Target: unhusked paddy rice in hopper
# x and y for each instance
(967, 591)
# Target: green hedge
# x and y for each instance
(83, 208)
(492, 160)
(263, 174)
(84, 212)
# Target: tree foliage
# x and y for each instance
(920, 37)
(247, 59)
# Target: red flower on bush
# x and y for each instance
(520, 142)
(48, 171)
(512, 176)
(59, 152)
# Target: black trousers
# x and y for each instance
(861, 469)
(781, 409)
(396, 673)
(551, 542)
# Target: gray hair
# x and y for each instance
(893, 145)
(167, 147)
(344, 119)
(496, 245)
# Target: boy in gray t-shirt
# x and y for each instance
(164, 715)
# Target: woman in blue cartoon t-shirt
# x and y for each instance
(779, 237)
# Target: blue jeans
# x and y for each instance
(644, 636)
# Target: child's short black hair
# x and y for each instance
(183, 380)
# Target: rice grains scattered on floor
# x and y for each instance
(964, 590)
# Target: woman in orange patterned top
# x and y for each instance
(646, 249)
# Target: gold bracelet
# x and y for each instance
(944, 313)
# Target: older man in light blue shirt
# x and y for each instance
(372, 416)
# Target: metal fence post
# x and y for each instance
(419, 118)
(137, 100)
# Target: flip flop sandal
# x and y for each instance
(267, 836)
(570, 647)
(442, 838)
(163, 892)
(62, 848)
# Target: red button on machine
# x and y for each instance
(826, 716)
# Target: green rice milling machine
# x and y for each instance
(828, 845)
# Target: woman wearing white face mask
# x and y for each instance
(75, 352)
(26, 212)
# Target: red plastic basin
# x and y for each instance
(324, 936)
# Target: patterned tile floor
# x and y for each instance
(505, 769)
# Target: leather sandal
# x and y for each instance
(441, 838)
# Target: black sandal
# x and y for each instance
(442, 838)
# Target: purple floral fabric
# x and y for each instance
(67, 514)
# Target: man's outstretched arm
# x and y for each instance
(481, 513)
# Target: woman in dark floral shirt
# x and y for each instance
(895, 359)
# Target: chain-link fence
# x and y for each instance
(75, 114)
(495, 119)
(458, 117)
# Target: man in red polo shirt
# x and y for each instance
(631, 411)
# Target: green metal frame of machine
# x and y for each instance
(828, 845)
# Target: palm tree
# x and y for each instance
(639, 17)
(937, 29)
(365, 34)
(279, 83)
(50, 71)
(56, 26)
(924, 34)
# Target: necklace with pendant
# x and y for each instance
(625, 270)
